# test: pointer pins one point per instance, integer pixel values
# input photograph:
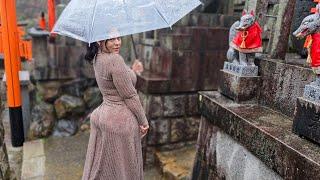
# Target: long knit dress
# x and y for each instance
(114, 149)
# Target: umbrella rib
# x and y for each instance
(161, 15)
(93, 16)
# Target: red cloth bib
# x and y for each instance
(250, 38)
(315, 50)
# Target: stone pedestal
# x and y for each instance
(312, 93)
(306, 121)
(239, 88)
(241, 69)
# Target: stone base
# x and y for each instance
(229, 130)
(239, 88)
(240, 69)
(312, 93)
(307, 120)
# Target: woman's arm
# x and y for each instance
(123, 83)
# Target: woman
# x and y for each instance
(118, 124)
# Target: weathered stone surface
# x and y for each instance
(307, 120)
(49, 91)
(192, 106)
(43, 119)
(68, 106)
(179, 130)
(265, 133)
(76, 87)
(176, 41)
(4, 164)
(184, 129)
(174, 105)
(282, 84)
(220, 157)
(65, 128)
(239, 88)
(92, 97)
(159, 131)
(177, 66)
(312, 93)
(156, 106)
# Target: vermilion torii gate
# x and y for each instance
(10, 44)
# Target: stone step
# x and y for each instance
(265, 133)
(176, 164)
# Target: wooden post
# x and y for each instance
(11, 60)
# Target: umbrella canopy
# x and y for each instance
(95, 20)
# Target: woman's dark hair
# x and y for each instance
(92, 51)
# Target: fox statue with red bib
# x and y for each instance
(244, 40)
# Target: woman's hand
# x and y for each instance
(144, 130)
(137, 67)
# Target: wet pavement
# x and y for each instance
(63, 158)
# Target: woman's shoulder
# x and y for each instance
(112, 60)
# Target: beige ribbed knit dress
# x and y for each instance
(114, 149)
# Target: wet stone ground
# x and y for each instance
(64, 158)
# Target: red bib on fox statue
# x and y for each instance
(249, 40)
(313, 45)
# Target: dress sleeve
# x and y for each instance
(123, 83)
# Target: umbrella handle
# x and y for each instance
(134, 47)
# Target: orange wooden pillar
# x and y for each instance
(51, 18)
(51, 14)
(11, 61)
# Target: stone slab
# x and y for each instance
(265, 133)
(176, 164)
(33, 167)
(33, 164)
(239, 88)
(32, 149)
(306, 121)
(240, 69)
(312, 93)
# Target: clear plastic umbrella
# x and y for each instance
(95, 20)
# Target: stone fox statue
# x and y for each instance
(244, 40)
(310, 27)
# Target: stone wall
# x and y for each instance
(281, 84)
(221, 157)
(173, 118)
(4, 163)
